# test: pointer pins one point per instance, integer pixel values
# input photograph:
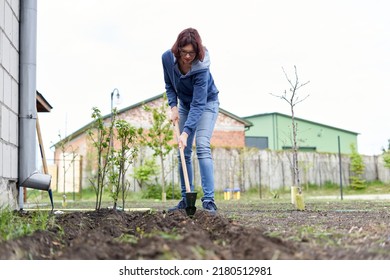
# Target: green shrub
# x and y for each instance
(152, 192)
(357, 170)
(176, 192)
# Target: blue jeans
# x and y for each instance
(202, 136)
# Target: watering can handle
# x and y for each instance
(182, 158)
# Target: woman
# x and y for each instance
(193, 98)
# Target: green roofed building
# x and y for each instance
(274, 131)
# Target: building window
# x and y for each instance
(303, 148)
(256, 142)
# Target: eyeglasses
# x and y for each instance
(184, 53)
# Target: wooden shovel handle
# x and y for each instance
(183, 160)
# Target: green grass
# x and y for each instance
(14, 224)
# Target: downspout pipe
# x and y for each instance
(27, 92)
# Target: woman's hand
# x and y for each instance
(183, 140)
(174, 114)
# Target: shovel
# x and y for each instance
(190, 196)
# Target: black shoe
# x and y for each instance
(209, 206)
(182, 205)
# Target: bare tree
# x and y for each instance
(67, 150)
(292, 98)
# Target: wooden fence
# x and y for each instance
(238, 168)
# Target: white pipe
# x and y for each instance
(27, 92)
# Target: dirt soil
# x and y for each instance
(240, 230)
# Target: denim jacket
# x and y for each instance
(193, 89)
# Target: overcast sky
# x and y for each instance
(87, 48)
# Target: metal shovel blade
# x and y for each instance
(191, 200)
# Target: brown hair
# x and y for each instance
(189, 36)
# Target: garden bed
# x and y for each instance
(262, 229)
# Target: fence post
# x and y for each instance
(341, 173)
(260, 176)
